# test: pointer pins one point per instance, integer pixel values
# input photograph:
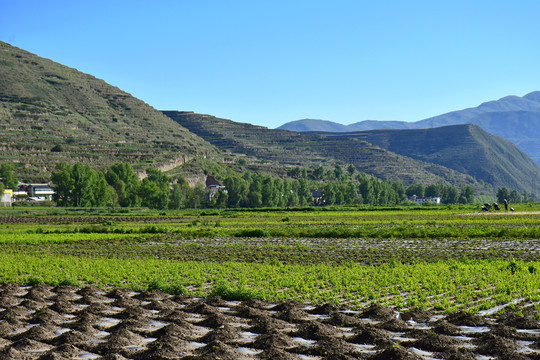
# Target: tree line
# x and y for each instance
(80, 185)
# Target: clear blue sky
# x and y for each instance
(270, 62)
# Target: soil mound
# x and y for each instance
(43, 322)
(294, 315)
(458, 353)
(225, 334)
(420, 316)
(378, 312)
(266, 324)
(339, 319)
(520, 322)
(333, 347)
(371, 336)
(249, 312)
(315, 331)
(461, 318)
(325, 309)
(436, 342)
(446, 328)
(497, 346)
(217, 350)
(395, 353)
(272, 340)
(65, 351)
(396, 325)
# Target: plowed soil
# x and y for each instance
(45, 322)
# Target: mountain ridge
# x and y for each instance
(311, 150)
(523, 130)
(466, 148)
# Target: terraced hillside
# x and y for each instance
(51, 113)
(292, 148)
(465, 148)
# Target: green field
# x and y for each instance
(440, 258)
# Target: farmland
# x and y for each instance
(442, 262)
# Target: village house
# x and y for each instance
(33, 192)
(7, 198)
(213, 186)
(317, 196)
(420, 200)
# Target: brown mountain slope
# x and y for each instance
(51, 113)
(292, 148)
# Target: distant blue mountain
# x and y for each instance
(513, 118)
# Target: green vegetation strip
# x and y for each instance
(448, 286)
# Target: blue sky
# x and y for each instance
(270, 62)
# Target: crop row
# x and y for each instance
(444, 285)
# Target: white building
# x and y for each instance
(421, 200)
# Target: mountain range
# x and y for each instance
(51, 113)
(513, 118)
(458, 155)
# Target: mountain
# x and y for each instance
(289, 148)
(465, 148)
(314, 125)
(51, 113)
(513, 118)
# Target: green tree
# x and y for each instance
(267, 192)
(349, 193)
(367, 191)
(219, 200)
(514, 197)
(80, 186)
(416, 189)
(7, 177)
(126, 183)
(329, 194)
(433, 190)
(466, 194)
(237, 189)
(179, 194)
(155, 189)
(63, 183)
(450, 195)
(318, 173)
(254, 197)
(399, 189)
(304, 195)
(351, 169)
(102, 192)
(338, 172)
(84, 179)
(502, 193)
(195, 196)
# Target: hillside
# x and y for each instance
(514, 118)
(297, 149)
(51, 113)
(465, 148)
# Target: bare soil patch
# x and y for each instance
(44, 322)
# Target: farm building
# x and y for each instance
(7, 198)
(421, 200)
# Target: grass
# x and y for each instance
(443, 258)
